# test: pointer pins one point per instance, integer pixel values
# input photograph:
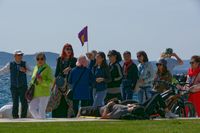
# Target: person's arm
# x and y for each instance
(180, 61)
(150, 76)
(195, 88)
(118, 67)
(135, 76)
(57, 72)
(5, 69)
(106, 114)
(107, 78)
(28, 70)
(70, 78)
(48, 77)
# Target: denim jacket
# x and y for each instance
(146, 73)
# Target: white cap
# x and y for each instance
(18, 52)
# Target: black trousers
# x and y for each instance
(62, 110)
(19, 94)
(84, 103)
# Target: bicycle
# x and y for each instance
(176, 100)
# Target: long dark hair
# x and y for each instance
(144, 54)
(116, 54)
(165, 70)
(104, 63)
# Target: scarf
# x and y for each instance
(193, 72)
(127, 66)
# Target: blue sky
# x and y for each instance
(150, 25)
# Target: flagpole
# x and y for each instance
(87, 40)
(87, 47)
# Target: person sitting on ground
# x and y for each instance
(115, 110)
(162, 75)
(171, 62)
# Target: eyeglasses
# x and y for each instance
(40, 59)
(138, 56)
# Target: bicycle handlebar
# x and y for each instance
(170, 85)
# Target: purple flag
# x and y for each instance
(83, 35)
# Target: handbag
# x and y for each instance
(30, 92)
(61, 81)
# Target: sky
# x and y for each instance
(150, 25)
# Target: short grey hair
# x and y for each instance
(41, 54)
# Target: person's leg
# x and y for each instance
(99, 98)
(85, 103)
(42, 107)
(129, 94)
(15, 99)
(123, 92)
(75, 106)
(24, 103)
(148, 93)
(141, 96)
(33, 108)
(62, 110)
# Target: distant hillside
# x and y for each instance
(7, 57)
(51, 59)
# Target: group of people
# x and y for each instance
(93, 81)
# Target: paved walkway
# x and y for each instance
(51, 120)
(73, 120)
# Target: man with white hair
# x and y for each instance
(18, 78)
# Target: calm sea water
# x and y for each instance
(5, 94)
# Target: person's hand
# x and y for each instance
(39, 79)
(141, 81)
(99, 80)
(23, 69)
(194, 89)
(174, 55)
(111, 103)
(66, 70)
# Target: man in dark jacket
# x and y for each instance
(18, 69)
(130, 72)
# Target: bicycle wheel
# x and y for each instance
(186, 110)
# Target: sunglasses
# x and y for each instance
(40, 59)
(20, 55)
(192, 62)
(159, 65)
(68, 49)
(138, 56)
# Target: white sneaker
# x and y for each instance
(171, 115)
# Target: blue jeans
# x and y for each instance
(99, 97)
(127, 93)
(144, 94)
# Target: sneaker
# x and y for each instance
(171, 115)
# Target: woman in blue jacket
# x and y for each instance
(81, 80)
(102, 77)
